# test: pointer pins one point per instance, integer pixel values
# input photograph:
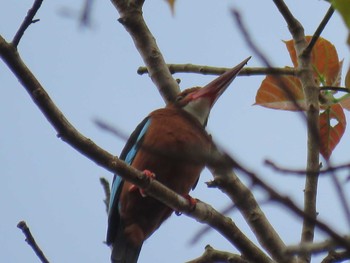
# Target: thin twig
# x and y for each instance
(342, 89)
(28, 20)
(208, 70)
(340, 191)
(31, 241)
(212, 255)
(292, 171)
(85, 17)
(294, 25)
(314, 248)
(286, 201)
(311, 92)
(329, 168)
(336, 257)
(318, 31)
(242, 197)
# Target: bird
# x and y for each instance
(164, 146)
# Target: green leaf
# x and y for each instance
(343, 7)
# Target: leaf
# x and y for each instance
(345, 102)
(324, 60)
(330, 134)
(271, 95)
(347, 79)
(343, 7)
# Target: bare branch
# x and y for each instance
(212, 255)
(341, 89)
(291, 171)
(313, 147)
(31, 241)
(203, 212)
(340, 191)
(284, 200)
(303, 172)
(318, 31)
(334, 257)
(208, 70)
(294, 26)
(229, 183)
(335, 180)
(313, 248)
(231, 232)
(28, 20)
(85, 16)
(131, 18)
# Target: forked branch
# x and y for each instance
(31, 241)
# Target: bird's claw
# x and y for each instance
(192, 202)
(150, 176)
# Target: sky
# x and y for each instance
(91, 73)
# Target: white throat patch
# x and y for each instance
(199, 108)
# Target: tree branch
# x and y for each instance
(318, 31)
(311, 94)
(336, 257)
(283, 200)
(330, 170)
(313, 248)
(229, 183)
(28, 20)
(131, 18)
(294, 25)
(292, 171)
(203, 212)
(208, 70)
(212, 255)
(31, 241)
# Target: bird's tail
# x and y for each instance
(123, 251)
(125, 254)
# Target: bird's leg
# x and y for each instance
(192, 201)
(150, 176)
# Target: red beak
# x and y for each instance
(214, 89)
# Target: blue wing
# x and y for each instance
(128, 154)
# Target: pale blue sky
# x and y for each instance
(92, 74)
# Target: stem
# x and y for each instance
(312, 116)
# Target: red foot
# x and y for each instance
(192, 201)
(150, 176)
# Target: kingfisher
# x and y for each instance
(164, 145)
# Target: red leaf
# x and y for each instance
(272, 95)
(345, 103)
(347, 79)
(330, 134)
(324, 59)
